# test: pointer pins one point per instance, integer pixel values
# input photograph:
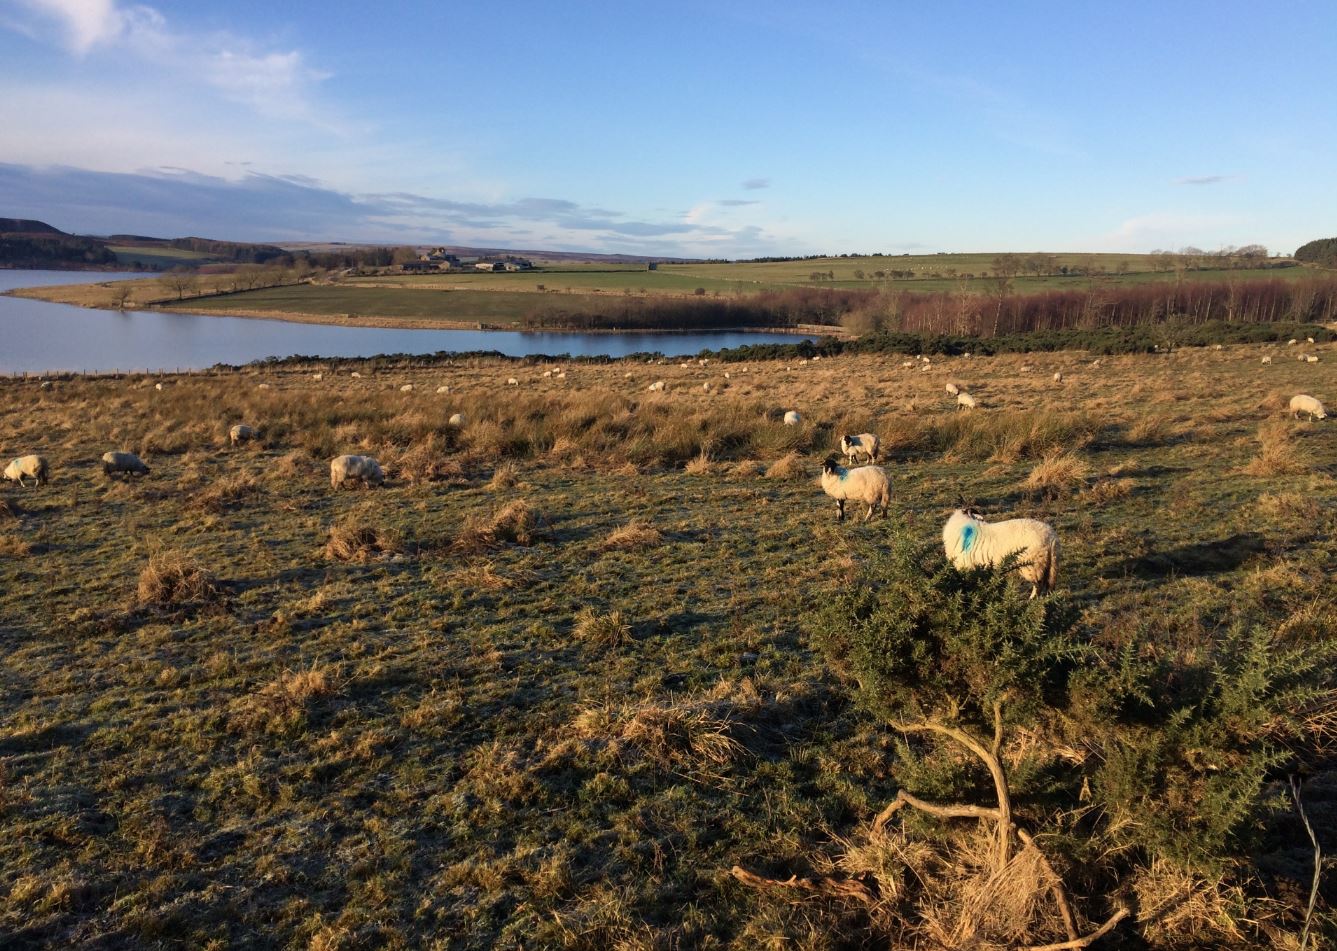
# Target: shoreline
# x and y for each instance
(381, 322)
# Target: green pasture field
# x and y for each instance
(550, 683)
(163, 256)
(609, 282)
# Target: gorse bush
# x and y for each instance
(1136, 762)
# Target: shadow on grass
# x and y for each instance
(1200, 558)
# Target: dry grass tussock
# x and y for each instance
(1153, 430)
(1176, 906)
(226, 492)
(789, 466)
(1058, 474)
(516, 522)
(703, 463)
(608, 630)
(632, 536)
(284, 700)
(505, 476)
(14, 545)
(356, 537)
(1278, 452)
(171, 578)
(10, 509)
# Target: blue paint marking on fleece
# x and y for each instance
(968, 536)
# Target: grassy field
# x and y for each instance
(159, 256)
(550, 683)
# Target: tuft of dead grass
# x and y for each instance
(14, 545)
(1108, 490)
(1153, 430)
(1175, 905)
(703, 463)
(172, 578)
(1057, 474)
(634, 535)
(283, 701)
(516, 523)
(226, 492)
(356, 538)
(608, 630)
(1278, 453)
(746, 469)
(505, 476)
(789, 466)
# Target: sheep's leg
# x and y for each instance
(840, 510)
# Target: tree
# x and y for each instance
(180, 281)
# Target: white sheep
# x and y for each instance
(1292, 342)
(442, 389)
(317, 377)
(406, 388)
(1303, 403)
(457, 419)
(1312, 358)
(1058, 377)
(561, 374)
(970, 542)
(512, 381)
(864, 445)
(355, 375)
(547, 373)
(1310, 339)
(867, 484)
(362, 469)
(1095, 363)
(952, 389)
(792, 418)
(907, 365)
(657, 386)
(28, 467)
(262, 386)
(1267, 359)
(241, 433)
(127, 462)
(1025, 369)
(158, 387)
(966, 401)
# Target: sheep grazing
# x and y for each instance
(1309, 339)
(242, 433)
(1267, 359)
(1312, 358)
(1058, 377)
(262, 386)
(657, 386)
(908, 365)
(442, 389)
(1292, 342)
(362, 469)
(158, 387)
(28, 467)
(355, 375)
(547, 373)
(406, 388)
(952, 389)
(792, 418)
(966, 401)
(867, 484)
(127, 462)
(1303, 403)
(512, 381)
(1025, 369)
(317, 377)
(862, 446)
(970, 542)
(457, 419)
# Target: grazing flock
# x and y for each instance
(967, 539)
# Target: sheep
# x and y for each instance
(970, 542)
(1312, 358)
(867, 484)
(1267, 359)
(952, 389)
(28, 467)
(1303, 403)
(406, 388)
(355, 375)
(317, 377)
(792, 418)
(1309, 339)
(457, 419)
(1025, 368)
(862, 445)
(158, 387)
(1292, 342)
(262, 386)
(657, 386)
(241, 433)
(363, 469)
(561, 374)
(966, 401)
(907, 365)
(127, 462)
(1058, 377)
(512, 381)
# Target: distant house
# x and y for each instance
(418, 266)
(652, 266)
(490, 266)
(519, 264)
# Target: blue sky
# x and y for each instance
(698, 129)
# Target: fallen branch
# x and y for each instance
(904, 798)
(1090, 939)
(847, 888)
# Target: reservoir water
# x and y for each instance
(39, 337)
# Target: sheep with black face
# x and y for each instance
(867, 484)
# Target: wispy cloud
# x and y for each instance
(275, 83)
(1201, 179)
(737, 202)
(753, 184)
(1168, 229)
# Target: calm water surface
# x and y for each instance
(38, 337)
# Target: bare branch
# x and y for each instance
(1086, 941)
(1056, 890)
(904, 798)
(848, 888)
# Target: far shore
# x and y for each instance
(71, 294)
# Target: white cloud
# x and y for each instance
(85, 23)
(1168, 229)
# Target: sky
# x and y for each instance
(697, 129)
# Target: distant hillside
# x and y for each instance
(27, 226)
(1322, 252)
(465, 251)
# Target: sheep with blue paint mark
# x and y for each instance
(867, 484)
(971, 542)
(28, 467)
